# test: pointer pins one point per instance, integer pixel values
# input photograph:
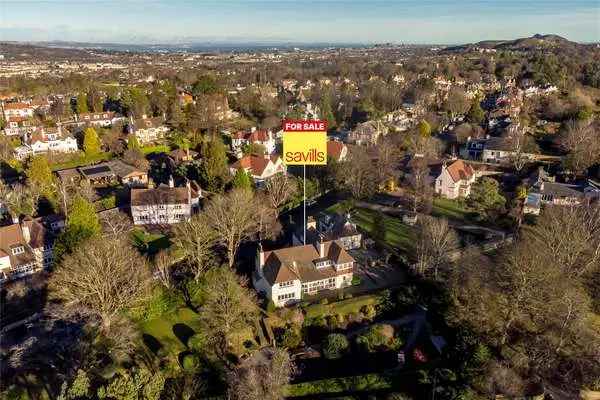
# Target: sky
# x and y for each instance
(300, 21)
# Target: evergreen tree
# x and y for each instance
(214, 164)
(476, 114)
(485, 197)
(39, 174)
(242, 180)
(327, 112)
(91, 142)
(424, 128)
(133, 142)
(83, 216)
(82, 103)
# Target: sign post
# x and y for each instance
(304, 143)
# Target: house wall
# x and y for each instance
(282, 295)
(160, 214)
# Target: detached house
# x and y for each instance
(285, 275)
(25, 248)
(260, 168)
(103, 119)
(455, 180)
(164, 204)
(328, 227)
(243, 138)
(17, 109)
(148, 130)
(18, 126)
(336, 150)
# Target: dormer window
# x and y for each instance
(322, 263)
(18, 250)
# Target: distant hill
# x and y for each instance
(534, 42)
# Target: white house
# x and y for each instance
(19, 126)
(243, 138)
(455, 180)
(164, 204)
(25, 248)
(17, 109)
(49, 140)
(285, 275)
(148, 130)
(103, 119)
(260, 168)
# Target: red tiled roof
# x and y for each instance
(459, 170)
(16, 106)
(334, 149)
(256, 164)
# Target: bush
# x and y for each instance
(190, 362)
(376, 337)
(291, 338)
(197, 342)
(161, 302)
(271, 306)
(324, 301)
(335, 345)
(368, 311)
(356, 280)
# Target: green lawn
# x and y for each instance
(150, 243)
(169, 333)
(82, 160)
(450, 209)
(394, 233)
(160, 148)
(343, 307)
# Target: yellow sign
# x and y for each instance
(305, 148)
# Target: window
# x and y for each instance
(18, 250)
(286, 296)
(286, 284)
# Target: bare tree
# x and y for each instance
(571, 235)
(234, 219)
(100, 280)
(263, 376)
(280, 189)
(163, 268)
(436, 239)
(582, 142)
(358, 174)
(194, 241)
(115, 223)
(228, 307)
(19, 199)
(419, 184)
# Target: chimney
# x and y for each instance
(26, 233)
(321, 247)
(171, 181)
(15, 219)
(261, 258)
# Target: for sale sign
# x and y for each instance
(304, 142)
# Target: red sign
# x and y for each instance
(304, 125)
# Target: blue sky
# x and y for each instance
(349, 21)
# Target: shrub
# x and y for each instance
(291, 338)
(335, 345)
(324, 301)
(376, 337)
(190, 362)
(368, 311)
(356, 280)
(197, 342)
(271, 306)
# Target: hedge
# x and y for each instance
(358, 383)
(342, 307)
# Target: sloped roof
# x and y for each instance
(459, 170)
(298, 263)
(159, 195)
(334, 149)
(256, 164)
